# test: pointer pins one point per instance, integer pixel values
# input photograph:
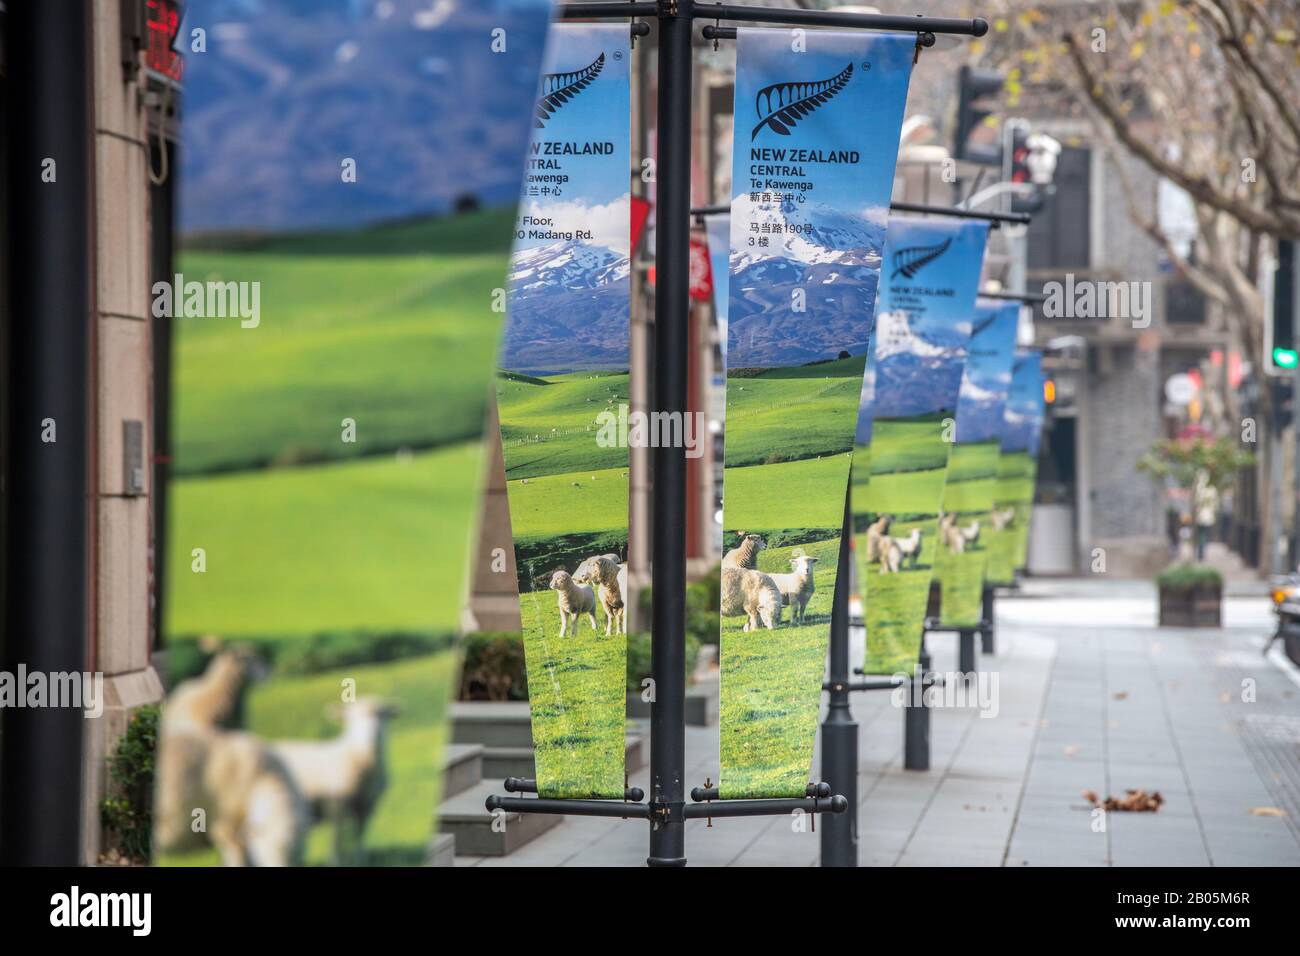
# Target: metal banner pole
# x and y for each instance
(839, 730)
(671, 338)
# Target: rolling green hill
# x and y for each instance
(549, 425)
(761, 404)
(391, 327)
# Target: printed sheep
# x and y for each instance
(950, 534)
(876, 532)
(610, 578)
(1003, 519)
(752, 594)
(797, 586)
(971, 533)
(745, 554)
(895, 550)
(573, 601)
(343, 778)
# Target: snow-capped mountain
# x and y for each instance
(568, 308)
(836, 264)
(565, 265)
(918, 370)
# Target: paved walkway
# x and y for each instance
(1090, 696)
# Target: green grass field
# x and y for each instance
(972, 476)
(796, 494)
(297, 708)
(771, 684)
(549, 425)
(1014, 489)
(909, 463)
(369, 545)
(577, 687)
(762, 404)
(392, 327)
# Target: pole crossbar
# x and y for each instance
(687, 10)
(994, 219)
(578, 808)
(760, 808)
(1016, 296)
(704, 794)
(529, 785)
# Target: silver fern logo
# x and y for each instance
(912, 260)
(781, 106)
(560, 88)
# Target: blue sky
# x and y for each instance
(866, 115)
(987, 376)
(1024, 414)
(600, 186)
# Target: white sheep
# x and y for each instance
(1003, 519)
(950, 534)
(876, 532)
(610, 578)
(971, 533)
(573, 601)
(259, 816)
(894, 550)
(797, 586)
(211, 699)
(745, 554)
(752, 594)
(343, 778)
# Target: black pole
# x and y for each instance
(966, 652)
(48, 324)
(987, 645)
(916, 716)
(668, 556)
(839, 729)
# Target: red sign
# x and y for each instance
(640, 213)
(163, 20)
(701, 278)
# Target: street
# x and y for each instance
(1091, 696)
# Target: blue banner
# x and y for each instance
(817, 121)
(1017, 467)
(923, 326)
(562, 393)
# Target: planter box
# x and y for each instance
(1199, 607)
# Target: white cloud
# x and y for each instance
(610, 224)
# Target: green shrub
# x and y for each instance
(1182, 578)
(638, 657)
(703, 600)
(127, 812)
(494, 668)
(309, 654)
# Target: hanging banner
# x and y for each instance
(326, 419)
(817, 121)
(961, 556)
(562, 394)
(1013, 496)
(923, 326)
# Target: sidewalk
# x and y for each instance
(1091, 696)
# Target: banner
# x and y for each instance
(923, 326)
(326, 418)
(1013, 496)
(817, 122)
(562, 394)
(962, 552)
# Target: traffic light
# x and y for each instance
(1020, 173)
(1281, 354)
(975, 89)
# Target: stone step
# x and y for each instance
(491, 723)
(466, 819)
(702, 703)
(502, 762)
(441, 850)
(462, 767)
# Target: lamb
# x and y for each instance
(573, 600)
(876, 532)
(257, 814)
(971, 533)
(894, 550)
(796, 587)
(213, 699)
(745, 554)
(1003, 519)
(752, 594)
(606, 572)
(343, 778)
(950, 534)
(260, 816)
